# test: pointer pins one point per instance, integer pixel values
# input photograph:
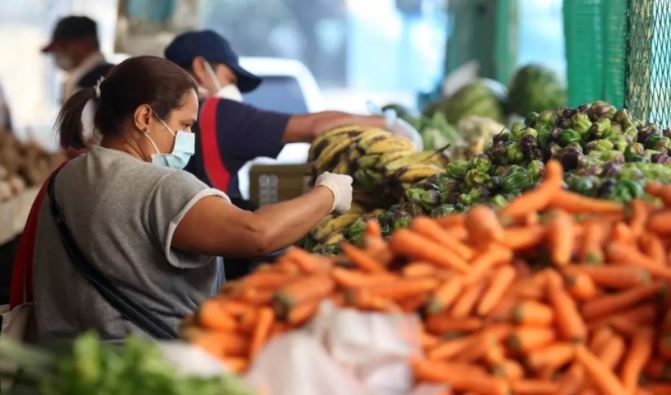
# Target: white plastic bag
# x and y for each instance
(297, 364)
(342, 352)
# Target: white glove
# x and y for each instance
(401, 128)
(341, 187)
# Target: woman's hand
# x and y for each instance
(216, 227)
(341, 187)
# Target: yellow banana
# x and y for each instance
(416, 173)
(370, 136)
(390, 144)
(334, 238)
(324, 140)
(330, 225)
(391, 156)
(328, 155)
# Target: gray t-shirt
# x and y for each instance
(123, 213)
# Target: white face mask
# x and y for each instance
(230, 92)
(63, 61)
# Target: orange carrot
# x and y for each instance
(235, 308)
(483, 226)
(638, 355)
(532, 313)
(501, 281)
(449, 348)
(574, 203)
(538, 198)
(261, 331)
(444, 323)
(609, 304)
(553, 356)
(657, 369)
(307, 262)
(247, 320)
(509, 369)
(257, 297)
(303, 312)
(458, 232)
(534, 387)
(222, 343)
(643, 314)
(639, 214)
(572, 380)
(602, 377)
(419, 269)
(652, 246)
(623, 234)
(427, 340)
(658, 389)
(664, 346)
(660, 222)
(405, 288)
(492, 256)
(364, 261)
(567, 316)
(600, 338)
(373, 228)
(617, 277)
(451, 220)
(377, 249)
(267, 279)
(622, 254)
(315, 286)
(365, 300)
(593, 239)
(523, 237)
(561, 237)
(460, 376)
(465, 303)
(444, 295)
(612, 352)
(430, 229)
(526, 339)
(355, 279)
(408, 243)
(212, 315)
(415, 303)
(661, 191)
(581, 286)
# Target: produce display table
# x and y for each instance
(14, 213)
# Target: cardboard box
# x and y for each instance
(276, 183)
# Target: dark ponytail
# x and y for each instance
(69, 121)
(136, 81)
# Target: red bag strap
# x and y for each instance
(21, 288)
(214, 164)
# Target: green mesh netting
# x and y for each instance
(649, 63)
(596, 50)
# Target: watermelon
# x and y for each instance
(535, 88)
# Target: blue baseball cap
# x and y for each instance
(215, 49)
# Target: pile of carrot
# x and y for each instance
(556, 293)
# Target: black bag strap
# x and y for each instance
(129, 309)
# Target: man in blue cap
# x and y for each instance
(229, 132)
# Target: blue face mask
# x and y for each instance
(185, 147)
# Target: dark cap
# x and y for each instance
(72, 28)
(215, 49)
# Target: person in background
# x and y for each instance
(75, 48)
(230, 133)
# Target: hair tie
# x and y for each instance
(97, 86)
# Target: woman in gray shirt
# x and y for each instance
(140, 220)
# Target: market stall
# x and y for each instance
(524, 249)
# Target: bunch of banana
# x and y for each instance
(332, 229)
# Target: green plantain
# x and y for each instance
(368, 161)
